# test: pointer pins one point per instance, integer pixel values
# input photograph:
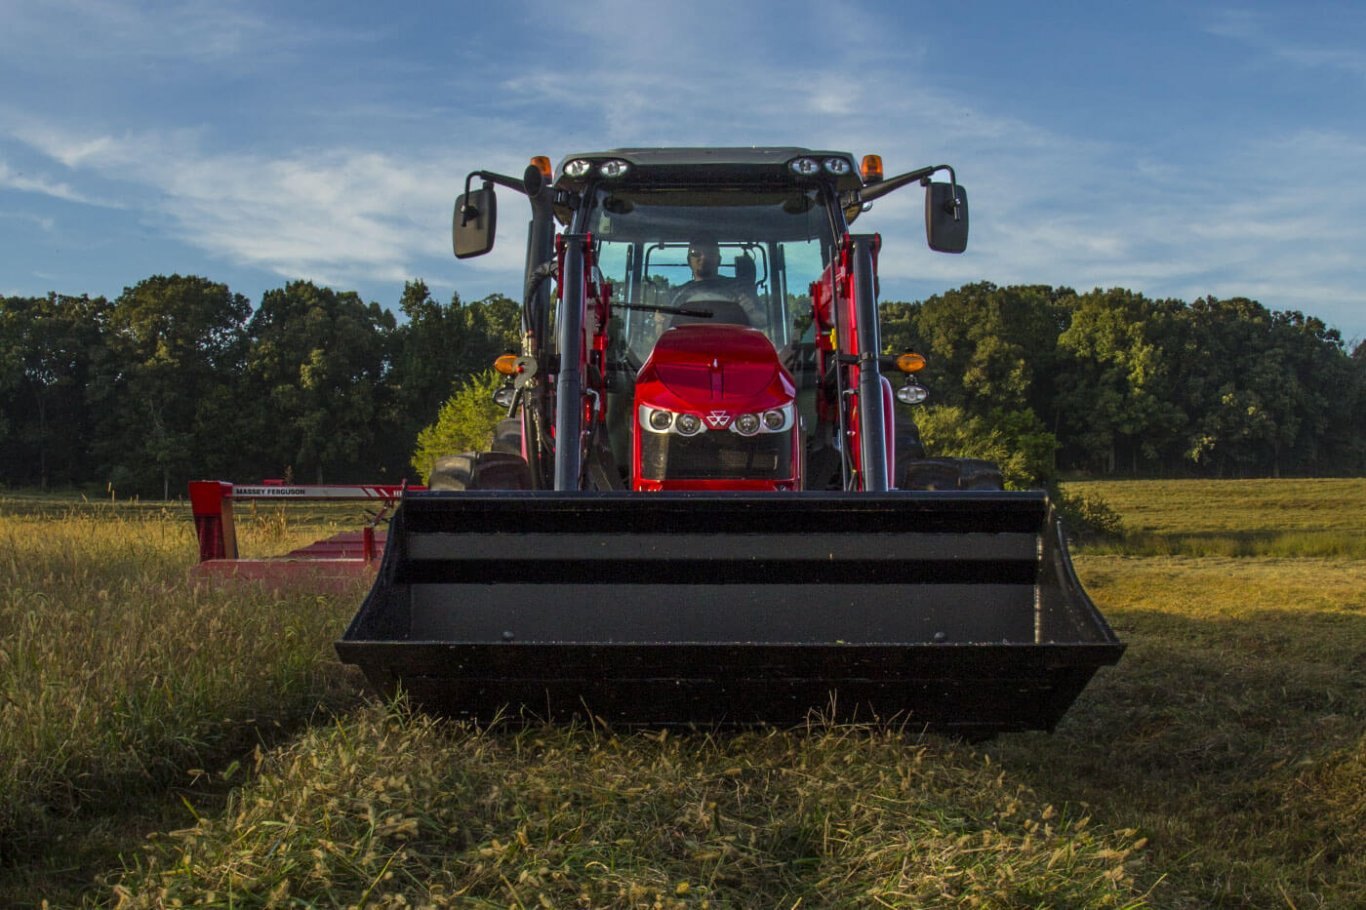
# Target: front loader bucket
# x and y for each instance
(953, 611)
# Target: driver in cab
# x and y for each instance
(727, 298)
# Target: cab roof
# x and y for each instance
(673, 166)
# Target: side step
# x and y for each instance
(954, 611)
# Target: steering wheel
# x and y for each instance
(697, 296)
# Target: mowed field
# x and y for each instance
(162, 745)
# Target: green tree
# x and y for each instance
(318, 368)
(992, 348)
(167, 394)
(441, 346)
(465, 423)
(50, 350)
(898, 327)
(1353, 448)
(1264, 389)
(429, 359)
(1114, 380)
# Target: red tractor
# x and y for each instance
(704, 506)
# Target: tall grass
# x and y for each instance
(1232, 738)
(117, 674)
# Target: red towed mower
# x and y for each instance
(331, 563)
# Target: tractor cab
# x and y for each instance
(710, 296)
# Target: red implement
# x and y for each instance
(325, 565)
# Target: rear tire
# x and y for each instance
(951, 474)
(480, 471)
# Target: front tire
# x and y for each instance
(480, 471)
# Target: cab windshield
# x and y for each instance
(736, 256)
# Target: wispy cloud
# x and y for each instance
(45, 224)
(1263, 32)
(334, 216)
(203, 31)
(26, 183)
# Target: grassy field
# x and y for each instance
(162, 745)
(1292, 518)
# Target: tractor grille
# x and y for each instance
(718, 455)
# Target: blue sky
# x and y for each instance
(1177, 149)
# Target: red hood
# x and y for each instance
(716, 366)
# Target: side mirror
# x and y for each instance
(946, 217)
(474, 222)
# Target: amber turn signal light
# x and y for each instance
(910, 362)
(507, 365)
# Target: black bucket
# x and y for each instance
(951, 611)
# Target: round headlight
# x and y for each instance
(661, 421)
(747, 424)
(578, 168)
(688, 424)
(805, 167)
(613, 168)
(838, 166)
(774, 420)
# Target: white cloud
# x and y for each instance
(202, 31)
(17, 180)
(1260, 32)
(334, 216)
(42, 223)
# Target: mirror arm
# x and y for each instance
(488, 177)
(878, 190)
(953, 191)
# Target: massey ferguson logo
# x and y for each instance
(718, 420)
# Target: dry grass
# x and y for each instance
(1280, 518)
(1233, 734)
(387, 810)
(117, 675)
(1232, 738)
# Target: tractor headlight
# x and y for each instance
(578, 168)
(838, 166)
(613, 169)
(747, 424)
(775, 420)
(688, 424)
(912, 393)
(660, 421)
(805, 167)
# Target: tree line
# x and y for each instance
(180, 378)
(1113, 382)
